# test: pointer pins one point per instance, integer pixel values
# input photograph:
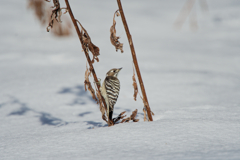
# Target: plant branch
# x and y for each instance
(86, 53)
(135, 61)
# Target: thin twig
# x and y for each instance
(135, 60)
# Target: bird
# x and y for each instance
(110, 90)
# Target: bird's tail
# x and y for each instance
(110, 115)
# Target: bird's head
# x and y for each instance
(113, 72)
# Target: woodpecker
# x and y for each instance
(110, 90)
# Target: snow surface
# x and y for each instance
(191, 79)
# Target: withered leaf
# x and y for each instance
(145, 109)
(132, 117)
(87, 84)
(134, 113)
(113, 37)
(145, 114)
(135, 87)
(119, 117)
(56, 14)
(152, 113)
(87, 43)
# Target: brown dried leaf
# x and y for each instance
(56, 14)
(119, 117)
(134, 113)
(113, 37)
(152, 113)
(135, 87)
(88, 43)
(126, 120)
(135, 120)
(144, 109)
(145, 114)
(132, 117)
(145, 106)
(88, 85)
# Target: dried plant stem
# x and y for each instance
(86, 54)
(135, 60)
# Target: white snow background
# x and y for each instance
(191, 78)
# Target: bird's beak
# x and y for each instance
(119, 68)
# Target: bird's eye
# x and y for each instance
(114, 71)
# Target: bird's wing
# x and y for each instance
(112, 86)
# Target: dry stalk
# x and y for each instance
(113, 37)
(135, 60)
(85, 46)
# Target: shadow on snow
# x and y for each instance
(83, 114)
(45, 118)
(81, 97)
(95, 124)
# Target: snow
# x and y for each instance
(191, 79)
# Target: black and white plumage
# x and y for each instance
(110, 90)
